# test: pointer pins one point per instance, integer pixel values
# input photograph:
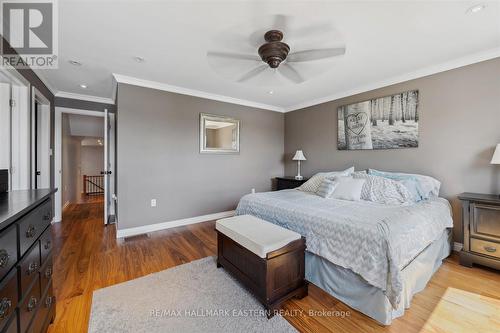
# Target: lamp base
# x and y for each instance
(299, 177)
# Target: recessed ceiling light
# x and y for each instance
(271, 92)
(75, 63)
(476, 8)
(139, 59)
(84, 86)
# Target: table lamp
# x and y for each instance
(299, 156)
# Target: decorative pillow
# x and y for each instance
(384, 190)
(422, 187)
(313, 184)
(347, 188)
(326, 188)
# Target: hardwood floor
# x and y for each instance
(88, 257)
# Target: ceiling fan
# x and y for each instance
(276, 55)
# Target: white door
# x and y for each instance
(109, 163)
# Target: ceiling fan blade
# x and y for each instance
(253, 73)
(290, 73)
(237, 56)
(309, 55)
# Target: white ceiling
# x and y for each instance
(386, 42)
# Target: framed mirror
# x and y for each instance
(219, 134)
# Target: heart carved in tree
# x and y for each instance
(356, 122)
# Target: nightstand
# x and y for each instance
(481, 225)
(284, 183)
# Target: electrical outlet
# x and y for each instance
(153, 202)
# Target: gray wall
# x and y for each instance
(83, 105)
(459, 128)
(70, 159)
(158, 156)
(92, 160)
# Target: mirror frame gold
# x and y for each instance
(203, 138)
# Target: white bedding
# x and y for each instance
(373, 240)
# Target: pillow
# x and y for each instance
(313, 184)
(326, 188)
(384, 190)
(347, 188)
(422, 187)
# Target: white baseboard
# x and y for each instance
(171, 224)
(457, 247)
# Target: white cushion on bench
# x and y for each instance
(256, 235)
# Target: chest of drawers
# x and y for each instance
(27, 302)
(481, 225)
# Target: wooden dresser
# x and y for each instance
(27, 302)
(481, 225)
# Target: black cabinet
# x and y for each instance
(284, 183)
(26, 294)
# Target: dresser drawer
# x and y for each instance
(33, 224)
(11, 326)
(484, 247)
(42, 313)
(8, 296)
(8, 250)
(28, 268)
(29, 306)
(46, 274)
(45, 244)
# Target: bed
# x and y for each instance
(373, 257)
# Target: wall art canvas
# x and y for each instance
(382, 123)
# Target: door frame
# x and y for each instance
(45, 105)
(58, 152)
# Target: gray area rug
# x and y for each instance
(194, 297)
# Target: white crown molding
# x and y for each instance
(82, 97)
(192, 92)
(456, 63)
(121, 233)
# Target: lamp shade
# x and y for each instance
(299, 156)
(496, 155)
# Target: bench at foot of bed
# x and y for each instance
(267, 259)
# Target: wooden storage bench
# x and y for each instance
(266, 258)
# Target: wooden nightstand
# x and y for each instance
(284, 183)
(481, 225)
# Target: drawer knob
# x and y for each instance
(490, 249)
(48, 272)
(4, 258)
(46, 217)
(47, 245)
(49, 301)
(32, 268)
(32, 303)
(31, 231)
(5, 305)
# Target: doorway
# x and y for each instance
(84, 162)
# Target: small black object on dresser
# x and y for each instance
(27, 302)
(284, 183)
(481, 227)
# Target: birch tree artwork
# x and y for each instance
(383, 123)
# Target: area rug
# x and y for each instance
(194, 297)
